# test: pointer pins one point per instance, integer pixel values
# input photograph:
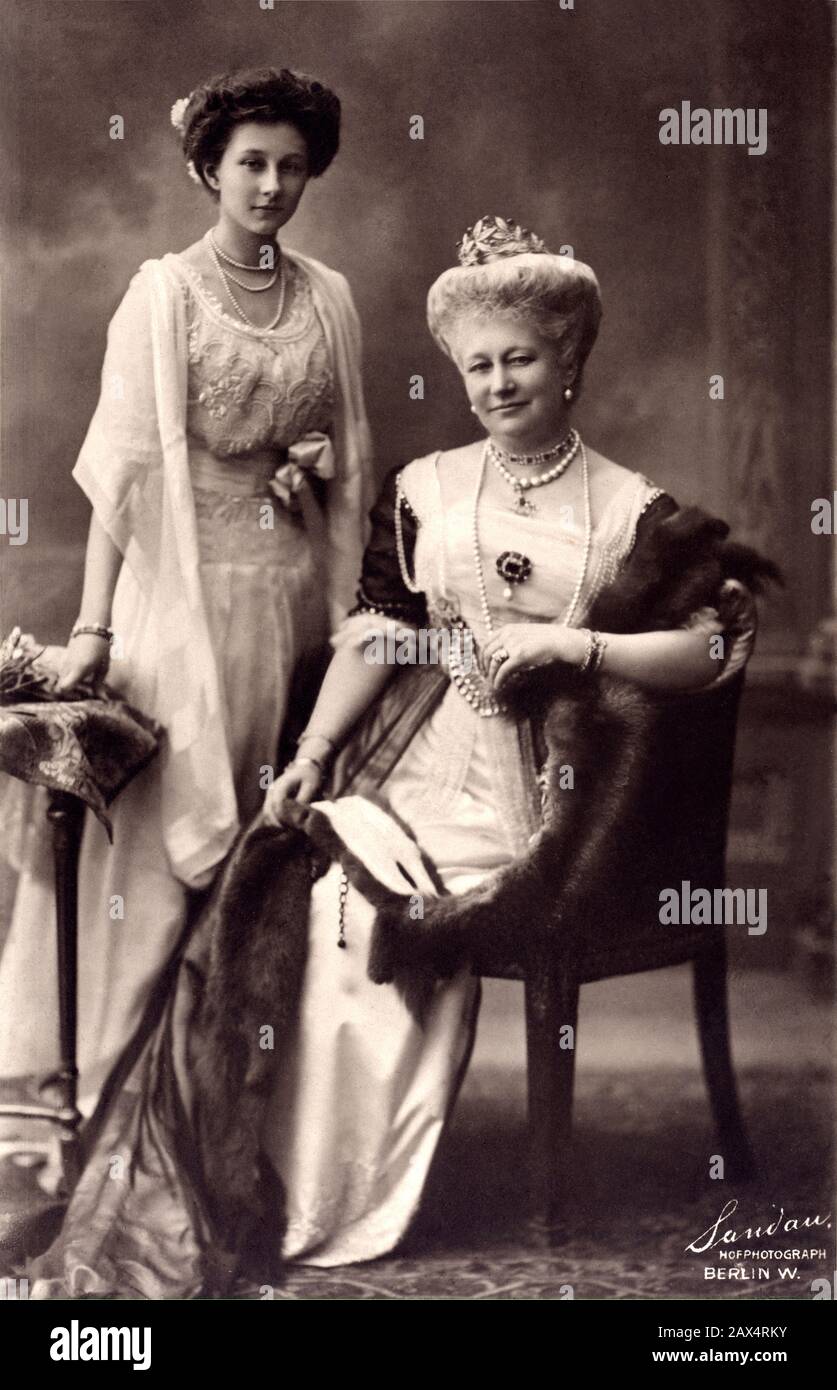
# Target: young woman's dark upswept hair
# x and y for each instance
(216, 107)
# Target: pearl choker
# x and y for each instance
(535, 460)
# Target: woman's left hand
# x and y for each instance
(528, 645)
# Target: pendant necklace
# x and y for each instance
(472, 685)
(520, 566)
(566, 451)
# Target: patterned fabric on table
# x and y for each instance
(91, 745)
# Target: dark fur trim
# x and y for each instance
(257, 926)
(676, 568)
(605, 729)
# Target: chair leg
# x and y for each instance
(711, 1007)
(551, 1011)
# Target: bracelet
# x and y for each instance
(315, 762)
(323, 737)
(91, 629)
(594, 654)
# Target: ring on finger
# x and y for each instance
(499, 656)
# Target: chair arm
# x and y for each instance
(738, 616)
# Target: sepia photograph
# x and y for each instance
(418, 662)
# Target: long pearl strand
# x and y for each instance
(226, 278)
(477, 693)
(566, 621)
(400, 499)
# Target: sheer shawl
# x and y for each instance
(134, 469)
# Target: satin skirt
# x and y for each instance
(363, 1092)
(265, 606)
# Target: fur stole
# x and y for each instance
(254, 933)
(592, 851)
(601, 843)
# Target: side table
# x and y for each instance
(84, 751)
(65, 813)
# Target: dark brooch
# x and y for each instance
(513, 568)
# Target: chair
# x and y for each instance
(690, 788)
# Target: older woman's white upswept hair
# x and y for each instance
(505, 270)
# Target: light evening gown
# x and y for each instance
(362, 1094)
(249, 394)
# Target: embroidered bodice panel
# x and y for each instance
(444, 555)
(250, 390)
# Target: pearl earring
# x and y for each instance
(568, 393)
(473, 410)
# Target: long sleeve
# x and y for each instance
(120, 462)
(134, 467)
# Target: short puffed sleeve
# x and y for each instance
(382, 590)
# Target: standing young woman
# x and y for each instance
(227, 465)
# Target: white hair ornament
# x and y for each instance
(178, 120)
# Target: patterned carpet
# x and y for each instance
(642, 1193)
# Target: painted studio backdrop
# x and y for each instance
(711, 374)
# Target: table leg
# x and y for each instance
(65, 814)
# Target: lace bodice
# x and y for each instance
(250, 390)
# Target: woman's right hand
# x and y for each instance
(300, 781)
(85, 661)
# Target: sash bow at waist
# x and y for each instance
(278, 471)
(312, 454)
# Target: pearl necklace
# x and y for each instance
(225, 256)
(480, 696)
(566, 621)
(252, 289)
(476, 691)
(522, 505)
(227, 278)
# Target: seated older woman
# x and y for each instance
(505, 545)
(513, 537)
